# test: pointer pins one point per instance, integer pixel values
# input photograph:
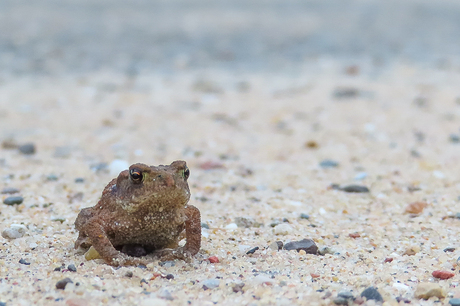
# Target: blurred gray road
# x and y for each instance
(144, 35)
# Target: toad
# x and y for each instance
(143, 211)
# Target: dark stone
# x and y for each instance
(27, 148)
(346, 93)
(2, 304)
(129, 274)
(345, 294)
(13, 200)
(454, 302)
(252, 251)
(169, 276)
(144, 281)
(328, 163)
(371, 293)
(52, 177)
(72, 268)
(304, 216)
(10, 190)
(449, 250)
(204, 225)
(308, 245)
(24, 262)
(340, 301)
(238, 287)
(280, 245)
(454, 138)
(79, 180)
(57, 269)
(355, 188)
(63, 282)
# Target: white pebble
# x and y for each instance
(282, 229)
(295, 203)
(14, 231)
(438, 174)
(262, 279)
(231, 226)
(211, 283)
(118, 165)
(360, 176)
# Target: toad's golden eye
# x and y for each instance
(136, 175)
(186, 173)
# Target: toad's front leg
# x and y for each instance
(192, 234)
(98, 236)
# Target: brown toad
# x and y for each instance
(142, 211)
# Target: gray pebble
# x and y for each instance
(340, 301)
(210, 283)
(79, 180)
(304, 216)
(27, 148)
(454, 138)
(52, 177)
(345, 294)
(252, 251)
(355, 188)
(245, 222)
(165, 294)
(371, 293)
(2, 304)
(13, 200)
(204, 225)
(129, 274)
(72, 268)
(329, 163)
(169, 276)
(63, 282)
(22, 261)
(308, 245)
(326, 250)
(62, 152)
(454, 302)
(14, 231)
(238, 287)
(10, 190)
(449, 250)
(346, 93)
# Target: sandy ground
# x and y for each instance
(254, 140)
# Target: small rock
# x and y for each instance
(24, 262)
(52, 177)
(415, 207)
(129, 274)
(72, 268)
(328, 163)
(354, 235)
(340, 301)
(326, 250)
(165, 294)
(276, 245)
(388, 259)
(355, 189)
(204, 225)
(27, 148)
(14, 231)
(167, 263)
(10, 190)
(263, 279)
(283, 229)
(449, 250)
(346, 295)
(304, 216)
(442, 274)
(244, 222)
(231, 226)
(410, 251)
(454, 302)
(311, 144)
(77, 301)
(92, 254)
(213, 259)
(13, 200)
(79, 180)
(371, 293)
(169, 276)
(210, 283)
(346, 93)
(238, 287)
(454, 138)
(252, 251)
(427, 290)
(117, 165)
(360, 176)
(308, 245)
(63, 282)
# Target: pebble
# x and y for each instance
(169, 276)
(427, 290)
(14, 231)
(263, 279)
(355, 189)
(72, 268)
(360, 176)
(276, 245)
(129, 274)
(245, 222)
(62, 152)
(371, 293)
(346, 93)
(213, 259)
(27, 148)
(328, 163)
(22, 261)
(326, 250)
(231, 226)
(304, 216)
(442, 274)
(308, 245)
(210, 283)
(454, 138)
(415, 207)
(165, 294)
(252, 251)
(449, 249)
(79, 180)
(282, 229)
(412, 250)
(454, 302)
(204, 225)
(340, 301)
(238, 287)
(117, 165)
(92, 254)
(10, 190)
(52, 177)
(167, 263)
(2, 304)
(13, 200)
(345, 294)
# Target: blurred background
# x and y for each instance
(80, 36)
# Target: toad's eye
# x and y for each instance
(136, 175)
(186, 173)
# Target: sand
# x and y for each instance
(254, 141)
